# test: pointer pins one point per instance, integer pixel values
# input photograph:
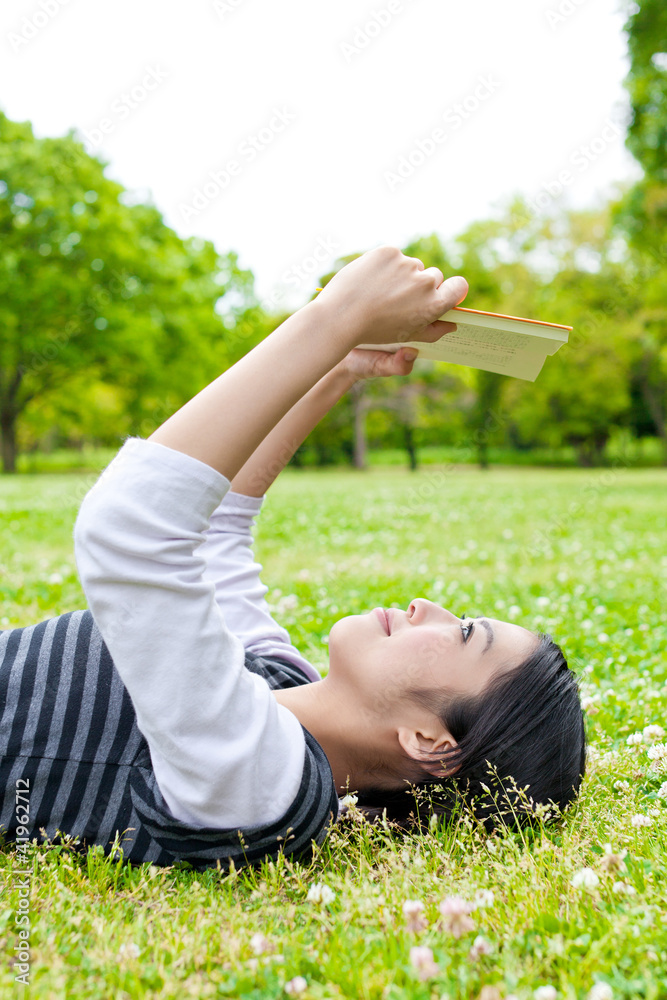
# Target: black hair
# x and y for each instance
(520, 750)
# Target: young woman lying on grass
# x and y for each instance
(176, 718)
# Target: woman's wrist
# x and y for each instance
(343, 328)
(340, 379)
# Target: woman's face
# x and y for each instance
(381, 656)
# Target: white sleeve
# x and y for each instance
(241, 595)
(224, 752)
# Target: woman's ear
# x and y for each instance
(420, 746)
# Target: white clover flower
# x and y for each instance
(634, 739)
(545, 993)
(543, 602)
(411, 906)
(349, 800)
(413, 910)
(484, 898)
(260, 944)
(622, 786)
(421, 958)
(455, 916)
(287, 603)
(601, 991)
(589, 701)
(480, 947)
(603, 637)
(612, 860)
(129, 950)
(652, 733)
(657, 754)
(655, 812)
(639, 820)
(320, 893)
(296, 986)
(662, 791)
(585, 878)
(623, 889)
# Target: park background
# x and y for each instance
(117, 303)
(111, 318)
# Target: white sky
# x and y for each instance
(352, 112)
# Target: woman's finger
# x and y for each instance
(401, 363)
(420, 263)
(436, 273)
(437, 330)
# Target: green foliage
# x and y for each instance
(109, 322)
(578, 269)
(576, 553)
(647, 86)
(96, 291)
(643, 210)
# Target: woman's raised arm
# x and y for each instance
(275, 451)
(381, 297)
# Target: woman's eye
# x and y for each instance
(466, 629)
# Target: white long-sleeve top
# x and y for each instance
(164, 554)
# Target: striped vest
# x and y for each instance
(69, 744)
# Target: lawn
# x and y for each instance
(560, 913)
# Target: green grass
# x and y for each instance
(578, 554)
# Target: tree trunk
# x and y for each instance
(489, 389)
(585, 457)
(358, 391)
(8, 434)
(654, 399)
(409, 441)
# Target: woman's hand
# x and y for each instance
(384, 297)
(361, 364)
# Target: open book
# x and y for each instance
(492, 342)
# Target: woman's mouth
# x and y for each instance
(384, 619)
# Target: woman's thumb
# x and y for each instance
(453, 291)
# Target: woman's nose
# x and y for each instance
(421, 609)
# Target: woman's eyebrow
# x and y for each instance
(490, 635)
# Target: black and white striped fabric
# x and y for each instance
(69, 738)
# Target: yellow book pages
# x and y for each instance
(507, 345)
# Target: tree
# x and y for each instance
(643, 212)
(94, 285)
(646, 84)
